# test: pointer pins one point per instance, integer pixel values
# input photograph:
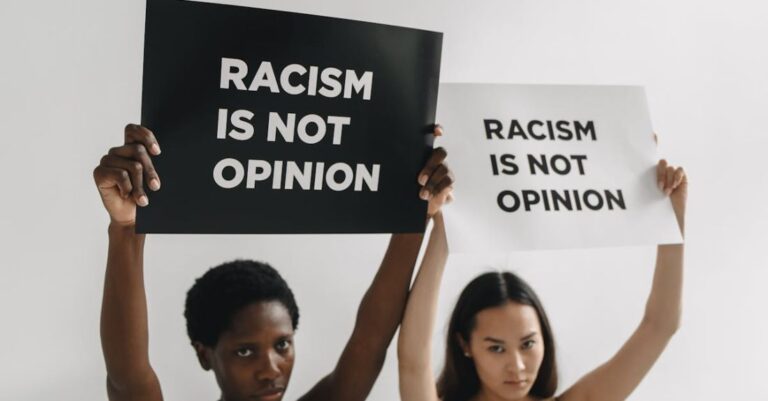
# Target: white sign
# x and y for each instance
(551, 166)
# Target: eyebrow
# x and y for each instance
(497, 341)
(493, 340)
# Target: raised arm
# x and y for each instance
(382, 306)
(616, 379)
(414, 344)
(120, 179)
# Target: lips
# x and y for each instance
(516, 383)
(269, 394)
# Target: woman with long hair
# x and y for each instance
(499, 344)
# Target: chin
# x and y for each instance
(512, 392)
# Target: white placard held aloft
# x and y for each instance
(551, 166)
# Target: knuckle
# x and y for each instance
(441, 152)
(137, 167)
(124, 176)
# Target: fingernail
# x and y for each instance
(143, 201)
(424, 194)
(423, 179)
(660, 185)
(155, 148)
(154, 184)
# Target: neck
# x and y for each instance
(485, 395)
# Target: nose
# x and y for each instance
(516, 363)
(269, 367)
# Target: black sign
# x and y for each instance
(277, 122)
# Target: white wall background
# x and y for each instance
(70, 78)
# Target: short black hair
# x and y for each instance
(227, 288)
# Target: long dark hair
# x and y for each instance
(459, 380)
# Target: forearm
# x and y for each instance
(124, 333)
(415, 339)
(664, 307)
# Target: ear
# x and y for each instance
(463, 345)
(203, 354)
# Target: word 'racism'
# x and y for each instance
(293, 79)
(544, 165)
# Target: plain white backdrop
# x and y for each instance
(71, 78)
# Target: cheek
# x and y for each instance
(490, 367)
(235, 372)
(231, 376)
(286, 364)
(534, 358)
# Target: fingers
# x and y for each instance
(669, 177)
(680, 177)
(108, 177)
(131, 162)
(134, 170)
(669, 180)
(439, 181)
(138, 152)
(138, 134)
(661, 174)
(438, 155)
(438, 130)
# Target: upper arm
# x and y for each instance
(618, 377)
(417, 384)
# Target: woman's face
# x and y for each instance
(253, 359)
(507, 348)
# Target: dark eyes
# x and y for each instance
(499, 349)
(496, 349)
(283, 345)
(244, 352)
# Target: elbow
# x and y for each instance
(376, 352)
(408, 359)
(663, 319)
(666, 327)
(403, 356)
